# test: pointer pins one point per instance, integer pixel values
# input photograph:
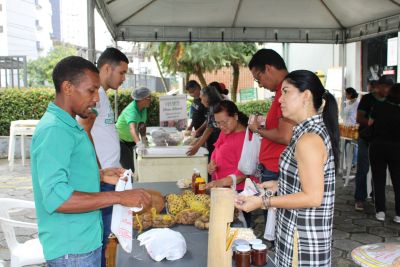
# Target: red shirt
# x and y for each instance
(271, 151)
(227, 152)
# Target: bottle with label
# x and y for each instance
(200, 185)
(196, 173)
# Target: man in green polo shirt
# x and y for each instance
(133, 116)
(65, 175)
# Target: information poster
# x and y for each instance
(173, 111)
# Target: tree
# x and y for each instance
(40, 70)
(198, 58)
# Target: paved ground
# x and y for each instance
(351, 228)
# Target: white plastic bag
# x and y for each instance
(121, 222)
(163, 243)
(250, 152)
(269, 232)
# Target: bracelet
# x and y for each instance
(266, 199)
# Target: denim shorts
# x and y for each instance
(264, 174)
(90, 259)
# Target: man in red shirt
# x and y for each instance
(268, 69)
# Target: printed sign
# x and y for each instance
(173, 111)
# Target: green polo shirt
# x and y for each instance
(63, 160)
(130, 114)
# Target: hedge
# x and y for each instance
(23, 104)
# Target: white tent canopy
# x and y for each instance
(314, 21)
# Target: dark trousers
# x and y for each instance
(106, 214)
(381, 157)
(360, 193)
(126, 159)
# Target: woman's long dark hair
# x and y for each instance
(307, 80)
(231, 109)
(212, 94)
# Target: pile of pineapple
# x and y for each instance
(188, 207)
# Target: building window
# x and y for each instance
(1, 29)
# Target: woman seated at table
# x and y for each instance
(223, 166)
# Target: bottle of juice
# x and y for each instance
(200, 185)
(196, 173)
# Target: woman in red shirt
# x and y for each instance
(223, 166)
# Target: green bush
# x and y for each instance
(24, 104)
(253, 107)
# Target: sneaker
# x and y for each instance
(359, 206)
(380, 216)
(396, 219)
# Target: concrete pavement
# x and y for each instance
(351, 228)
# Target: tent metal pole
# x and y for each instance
(91, 33)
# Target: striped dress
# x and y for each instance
(314, 225)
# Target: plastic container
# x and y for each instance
(196, 174)
(238, 242)
(243, 256)
(255, 242)
(200, 186)
(259, 255)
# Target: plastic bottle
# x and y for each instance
(196, 173)
(200, 185)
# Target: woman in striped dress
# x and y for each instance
(306, 185)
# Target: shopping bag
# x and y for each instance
(250, 152)
(121, 222)
(163, 243)
(269, 232)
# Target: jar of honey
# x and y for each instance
(200, 185)
(259, 255)
(243, 256)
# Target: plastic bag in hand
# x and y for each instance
(163, 243)
(250, 152)
(141, 148)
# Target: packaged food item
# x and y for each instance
(259, 255)
(243, 256)
(200, 185)
(196, 173)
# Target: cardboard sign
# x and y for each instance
(173, 111)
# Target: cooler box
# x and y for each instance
(161, 164)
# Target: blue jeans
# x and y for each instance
(90, 259)
(106, 214)
(355, 152)
(362, 171)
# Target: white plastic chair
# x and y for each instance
(22, 128)
(29, 252)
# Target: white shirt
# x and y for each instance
(350, 112)
(104, 133)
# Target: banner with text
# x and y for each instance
(173, 111)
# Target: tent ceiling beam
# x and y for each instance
(136, 12)
(236, 13)
(332, 14)
(214, 34)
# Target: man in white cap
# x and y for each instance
(133, 116)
